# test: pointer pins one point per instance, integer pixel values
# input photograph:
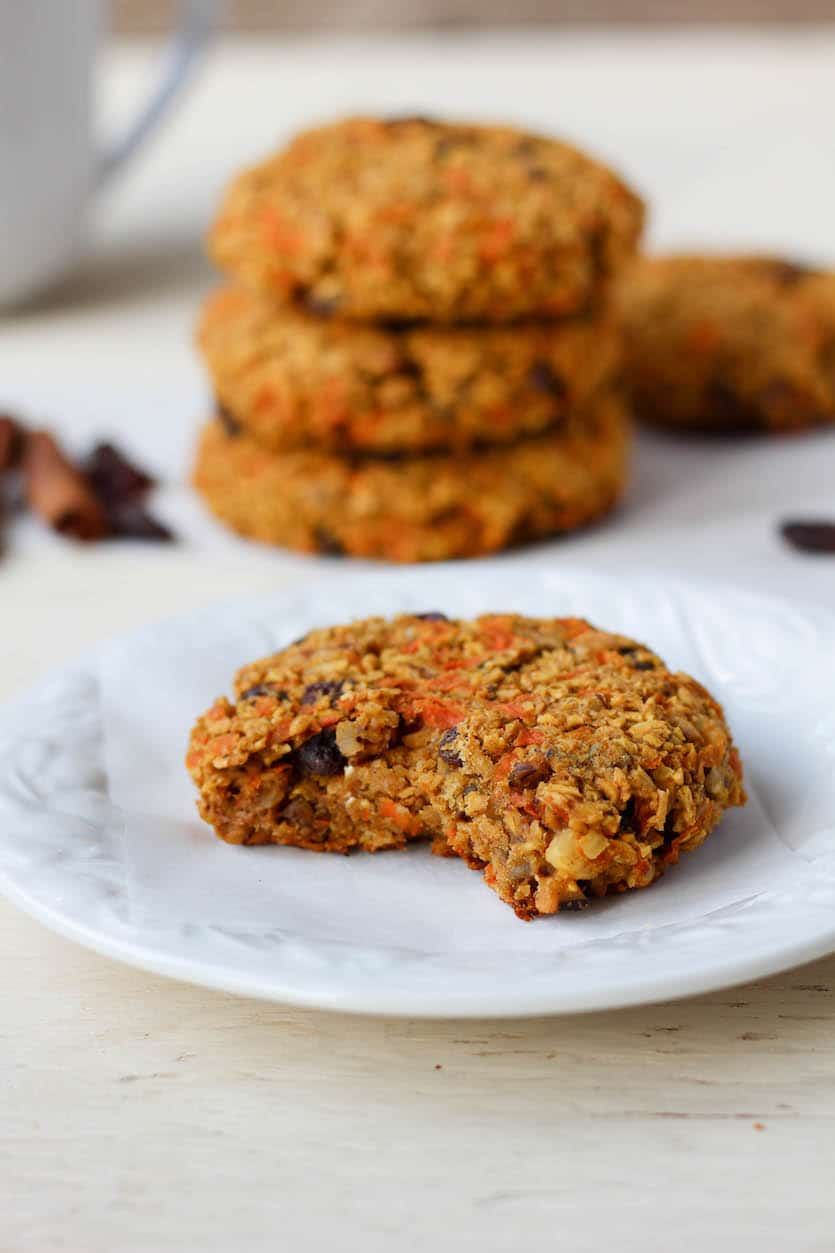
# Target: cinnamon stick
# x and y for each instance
(58, 492)
(11, 442)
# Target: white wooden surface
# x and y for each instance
(139, 1115)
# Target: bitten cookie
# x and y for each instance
(419, 508)
(729, 343)
(415, 219)
(561, 760)
(292, 380)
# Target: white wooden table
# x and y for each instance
(141, 1115)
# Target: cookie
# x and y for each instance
(415, 219)
(417, 508)
(561, 760)
(291, 380)
(730, 343)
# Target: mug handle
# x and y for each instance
(180, 58)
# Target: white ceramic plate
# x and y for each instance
(99, 838)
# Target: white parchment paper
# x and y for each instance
(153, 685)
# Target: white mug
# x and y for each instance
(49, 166)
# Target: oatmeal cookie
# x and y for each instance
(730, 343)
(410, 218)
(292, 380)
(417, 508)
(561, 760)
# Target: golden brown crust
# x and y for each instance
(729, 343)
(563, 761)
(408, 218)
(292, 380)
(420, 508)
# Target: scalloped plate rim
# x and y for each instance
(141, 951)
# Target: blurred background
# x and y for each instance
(151, 16)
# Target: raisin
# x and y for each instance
(446, 750)
(542, 377)
(628, 816)
(325, 687)
(734, 413)
(812, 536)
(789, 273)
(408, 119)
(320, 755)
(529, 773)
(643, 665)
(328, 543)
(262, 689)
(227, 420)
(434, 615)
(574, 906)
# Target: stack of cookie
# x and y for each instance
(417, 360)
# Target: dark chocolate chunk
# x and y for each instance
(529, 773)
(810, 535)
(227, 420)
(325, 687)
(546, 380)
(446, 748)
(643, 665)
(434, 615)
(320, 755)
